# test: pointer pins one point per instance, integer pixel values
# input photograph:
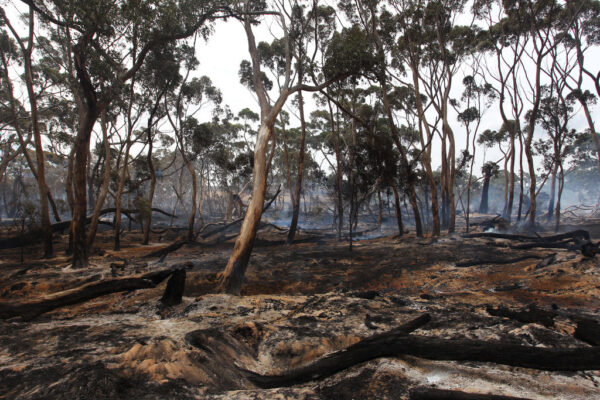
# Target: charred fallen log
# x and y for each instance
(429, 393)
(162, 253)
(220, 229)
(530, 314)
(397, 343)
(578, 240)
(470, 263)
(365, 350)
(31, 309)
(36, 234)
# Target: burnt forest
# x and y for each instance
(299, 199)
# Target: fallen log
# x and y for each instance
(365, 350)
(205, 235)
(176, 245)
(530, 314)
(36, 234)
(578, 240)
(470, 263)
(31, 309)
(429, 393)
(579, 233)
(395, 343)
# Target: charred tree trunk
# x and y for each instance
(296, 198)
(483, 206)
(398, 210)
(105, 183)
(338, 173)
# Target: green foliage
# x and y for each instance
(350, 53)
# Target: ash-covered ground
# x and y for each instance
(299, 303)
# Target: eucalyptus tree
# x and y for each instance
(11, 144)
(537, 20)
(381, 26)
(110, 41)
(476, 98)
(347, 54)
(489, 170)
(505, 41)
(192, 136)
(556, 113)
(159, 75)
(580, 27)
(409, 54)
(26, 47)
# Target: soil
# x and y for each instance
(299, 303)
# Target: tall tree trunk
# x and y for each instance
(39, 171)
(451, 173)
(403, 159)
(483, 207)
(105, 183)
(561, 185)
(150, 163)
(511, 183)
(70, 196)
(119, 193)
(552, 192)
(380, 204)
(233, 275)
(521, 178)
(398, 210)
(338, 172)
(87, 119)
(286, 160)
(296, 198)
(192, 216)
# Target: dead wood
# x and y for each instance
(31, 309)
(580, 233)
(429, 393)
(588, 331)
(397, 342)
(578, 240)
(365, 350)
(527, 315)
(495, 235)
(470, 263)
(175, 287)
(547, 261)
(36, 234)
(205, 235)
(176, 245)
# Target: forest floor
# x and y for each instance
(298, 303)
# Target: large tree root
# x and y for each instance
(427, 393)
(31, 309)
(397, 342)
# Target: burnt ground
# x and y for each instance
(299, 302)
